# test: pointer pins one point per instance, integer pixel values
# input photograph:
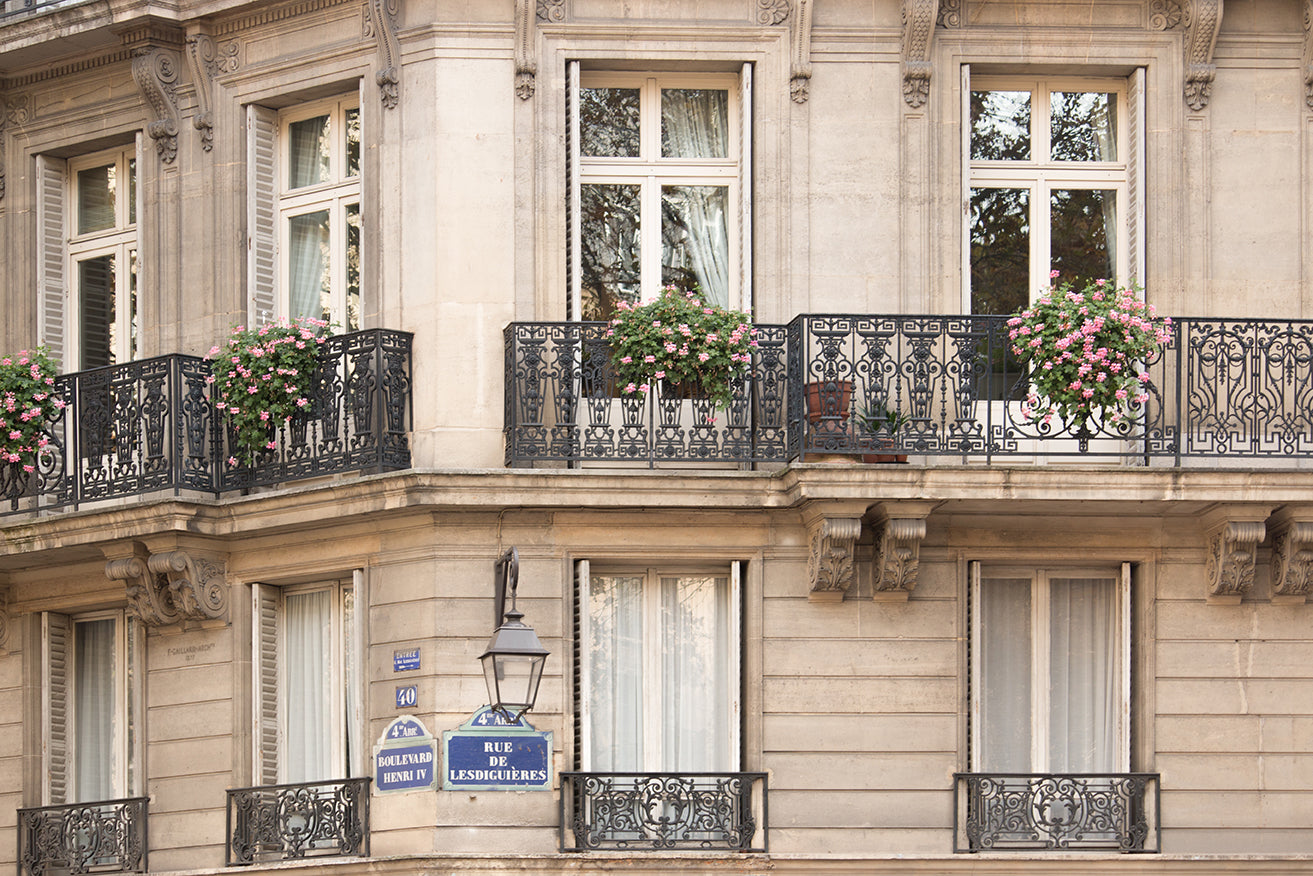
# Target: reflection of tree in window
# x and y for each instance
(1000, 250)
(608, 122)
(612, 248)
(1000, 126)
(1082, 226)
(1082, 126)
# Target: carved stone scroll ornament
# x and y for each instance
(950, 13)
(383, 15)
(1203, 19)
(526, 66)
(919, 18)
(12, 111)
(1292, 562)
(156, 72)
(830, 565)
(1308, 55)
(149, 597)
(800, 74)
(206, 61)
(198, 587)
(551, 10)
(898, 557)
(1165, 14)
(771, 12)
(1232, 548)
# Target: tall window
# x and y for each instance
(1050, 670)
(1052, 169)
(659, 669)
(307, 683)
(102, 257)
(658, 194)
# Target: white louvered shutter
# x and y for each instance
(266, 606)
(52, 282)
(1135, 176)
(262, 213)
(55, 634)
(745, 189)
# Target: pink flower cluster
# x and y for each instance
(27, 405)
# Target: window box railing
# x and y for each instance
(656, 812)
(1221, 389)
(282, 822)
(151, 425)
(1117, 812)
(108, 837)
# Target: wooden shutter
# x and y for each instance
(1135, 176)
(574, 216)
(55, 634)
(581, 674)
(52, 240)
(266, 606)
(745, 189)
(261, 215)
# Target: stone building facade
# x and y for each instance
(1025, 649)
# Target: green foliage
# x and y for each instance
(880, 418)
(27, 405)
(682, 340)
(262, 377)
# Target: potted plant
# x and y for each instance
(263, 377)
(1085, 349)
(882, 423)
(681, 343)
(27, 405)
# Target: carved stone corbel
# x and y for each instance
(14, 110)
(1165, 14)
(149, 597)
(1292, 559)
(207, 60)
(383, 15)
(830, 563)
(156, 72)
(526, 65)
(1203, 19)
(772, 12)
(198, 587)
(1308, 53)
(1232, 549)
(919, 18)
(897, 558)
(800, 74)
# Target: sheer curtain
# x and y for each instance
(1083, 675)
(695, 124)
(615, 655)
(94, 709)
(694, 634)
(1005, 672)
(307, 658)
(308, 244)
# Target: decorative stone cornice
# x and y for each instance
(772, 12)
(1203, 19)
(1165, 14)
(207, 59)
(1308, 53)
(198, 586)
(800, 37)
(551, 10)
(383, 15)
(1232, 548)
(919, 18)
(1292, 557)
(830, 563)
(148, 594)
(156, 72)
(950, 13)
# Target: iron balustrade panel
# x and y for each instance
(313, 819)
(1056, 811)
(103, 837)
(658, 812)
(358, 418)
(563, 404)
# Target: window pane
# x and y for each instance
(615, 655)
(608, 122)
(309, 671)
(97, 320)
(1005, 672)
(612, 248)
(694, 123)
(1083, 239)
(1000, 125)
(96, 193)
(132, 191)
(696, 701)
(695, 239)
(134, 316)
(308, 265)
(353, 142)
(352, 267)
(309, 148)
(94, 709)
(1000, 250)
(1083, 126)
(1083, 678)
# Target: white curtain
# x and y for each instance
(695, 637)
(308, 671)
(94, 709)
(695, 124)
(1005, 671)
(308, 257)
(1082, 675)
(615, 655)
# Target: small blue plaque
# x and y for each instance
(407, 696)
(405, 661)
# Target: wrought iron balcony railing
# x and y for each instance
(1221, 389)
(281, 822)
(151, 425)
(1056, 811)
(108, 837)
(657, 812)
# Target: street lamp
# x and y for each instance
(513, 663)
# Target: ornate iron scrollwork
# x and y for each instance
(284, 822)
(82, 838)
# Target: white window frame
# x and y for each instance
(1040, 576)
(650, 171)
(1041, 176)
(653, 744)
(120, 241)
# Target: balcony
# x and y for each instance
(1056, 812)
(657, 812)
(286, 822)
(108, 837)
(151, 425)
(1222, 390)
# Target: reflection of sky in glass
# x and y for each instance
(1000, 125)
(1083, 126)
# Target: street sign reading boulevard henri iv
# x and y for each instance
(405, 757)
(489, 753)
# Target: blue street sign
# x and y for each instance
(404, 769)
(490, 753)
(407, 696)
(405, 661)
